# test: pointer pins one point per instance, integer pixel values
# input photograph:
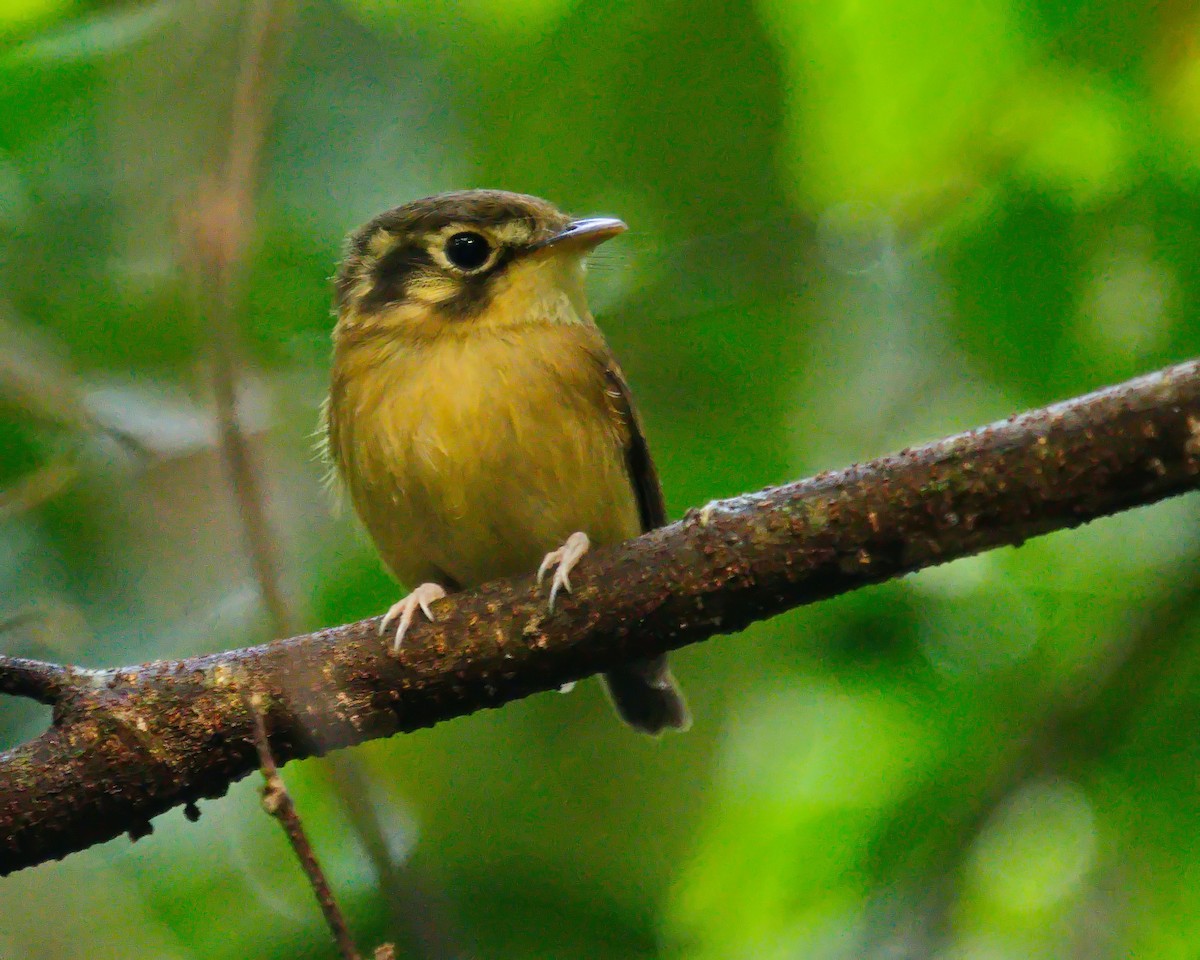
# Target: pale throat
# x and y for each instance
(540, 290)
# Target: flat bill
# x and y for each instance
(585, 233)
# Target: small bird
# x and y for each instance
(476, 415)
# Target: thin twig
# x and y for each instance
(278, 803)
(715, 571)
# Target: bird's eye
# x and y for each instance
(468, 251)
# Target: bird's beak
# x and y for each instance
(583, 234)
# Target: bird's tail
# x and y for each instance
(647, 697)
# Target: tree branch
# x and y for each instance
(128, 744)
(43, 682)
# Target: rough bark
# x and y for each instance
(127, 744)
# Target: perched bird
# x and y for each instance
(476, 414)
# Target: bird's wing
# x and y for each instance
(638, 462)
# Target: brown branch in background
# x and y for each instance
(127, 744)
(278, 803)
(227, 213)
(215, 242)
(235, 453)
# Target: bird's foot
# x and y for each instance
(405, 609)
(563, 560)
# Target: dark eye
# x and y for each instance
(468, 251)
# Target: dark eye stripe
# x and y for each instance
(392, 274)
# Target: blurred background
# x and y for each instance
(855, 226)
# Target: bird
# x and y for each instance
(477, 417)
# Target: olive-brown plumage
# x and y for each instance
(476, 415)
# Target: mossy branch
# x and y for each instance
(128, 744)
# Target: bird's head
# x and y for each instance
(460, 262)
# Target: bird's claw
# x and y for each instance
(406, 608)
(563, 560)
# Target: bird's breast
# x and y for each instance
(472, 458)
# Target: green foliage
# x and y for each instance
(855, 226)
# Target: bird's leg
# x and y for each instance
(405, 609)
(564, 560)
